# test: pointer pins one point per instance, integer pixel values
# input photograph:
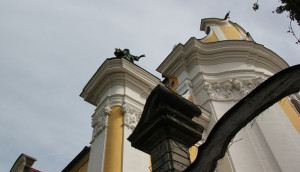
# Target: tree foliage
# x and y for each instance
(293, 8)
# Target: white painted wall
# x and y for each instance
(271, 143)
(96, 159)
(134, 160)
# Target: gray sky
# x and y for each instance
(50, 49)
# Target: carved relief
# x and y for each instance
(131, 117)
(224, 90)
(219, 90)
(249, 85)
(99, 121)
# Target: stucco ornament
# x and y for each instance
(219, 90)
(225, 90)
(131, 117)
(99, 121)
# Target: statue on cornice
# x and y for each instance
(126, 54)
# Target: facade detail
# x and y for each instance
(220, 30)
(213, 73)
(131, 117)
(99, 121)
(24, 163)
(118, 90)
(221, 69)
(231, 89)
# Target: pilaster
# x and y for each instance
(119, 90)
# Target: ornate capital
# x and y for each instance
(131, 117)
(99, 121)
(107, 109)
(225, 90)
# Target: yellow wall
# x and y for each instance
(231, 33)
(22, 168)
(290, 113)
(193, 153)
(212, 38)
(114, 141)
(173, 79)
(150, 167)
(83, 167)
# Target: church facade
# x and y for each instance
(214, 72)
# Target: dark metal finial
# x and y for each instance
(227, 15)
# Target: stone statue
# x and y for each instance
(126, 54)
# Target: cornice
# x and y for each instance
(113, 68)
(23, 160)
(176, 54)
(222, 51)
(213, 21)
(178, 68)
(233, 75)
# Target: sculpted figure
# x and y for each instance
(126, 54)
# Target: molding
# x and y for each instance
(178, 68)
(296, 97)
(218, 32)
(213, 22)
(200, 142)
(185, 87)
(115, 86)
(120, 69)
(223, 52)
(131, 116)
(205, 23)
(22, 161)
(99, 121)
(206, 37)
(204, 118)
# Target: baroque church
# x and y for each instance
(214, 73)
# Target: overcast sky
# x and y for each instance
(49, 49)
